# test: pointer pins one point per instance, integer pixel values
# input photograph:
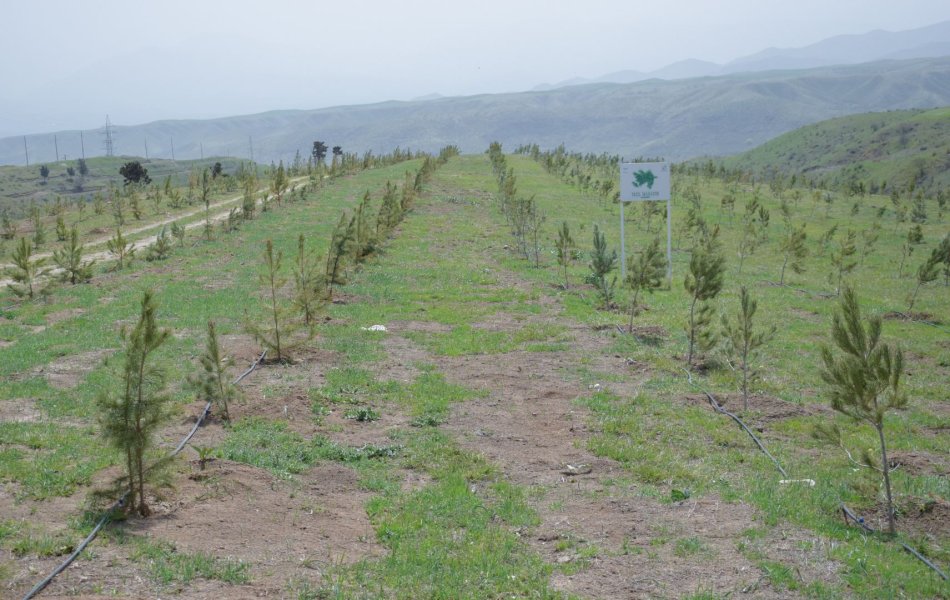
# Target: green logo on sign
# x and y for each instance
(646, 178)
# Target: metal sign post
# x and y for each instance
(646, 182)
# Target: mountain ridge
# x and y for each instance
(679, 119)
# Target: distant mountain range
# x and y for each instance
(925, 42)
(678, 119)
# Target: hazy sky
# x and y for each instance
(66, 64)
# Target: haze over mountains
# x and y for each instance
(925, 42)
(681, 117)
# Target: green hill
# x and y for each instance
(896, 149)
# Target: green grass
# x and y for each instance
(447, 268)
(166, 565)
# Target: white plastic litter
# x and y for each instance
(374, 328)
(808, 482)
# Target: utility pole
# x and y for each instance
(26, 151)
(82, 144)
(56, 145)
(202, 147)
(173, 147)
(146, 147)
(250, 142)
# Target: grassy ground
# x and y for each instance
(411, 412)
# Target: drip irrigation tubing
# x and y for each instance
(847, 512)
(850, 516)
(719, 409)
(107, 515)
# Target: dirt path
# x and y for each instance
(610, 538)
(154, 226)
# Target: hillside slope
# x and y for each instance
(899, 148)
(677, 119)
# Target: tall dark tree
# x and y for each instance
(134, 172)
(319, 152)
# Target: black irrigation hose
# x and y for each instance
(107, 516)
(719, 409)
(848, 515)
(847, 512)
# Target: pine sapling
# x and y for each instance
(646, 273)
(160, 248)
(565, 250)
(212, 382)
(869, 238)
(794, 251)
(863, 379)
(69, 260)
(344, 235)
(130, 418)
(26, 272)
(61, 231)
(943, 251)
(7, 226)
(365, 240)
(841, 259)
(926, 272)
(273, 335)
(122, 249)
(743, 340)
(601, 265)
(703, 282)
(309, 285)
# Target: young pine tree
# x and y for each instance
(365, 242)
(863, 378)
(647, 273)
(160, 248)
(743, 340)
(842, 261)
(212, 381)
(122, 249)
(274, 332)
(601, 265)
(794, 251)
(926, 272)
(69, 259)
(565, 250)
(130, 418)
(61, 231)
(39, 230)
(309, 286)
(943, 251)
(279, 183)
(26, 272)
(703, 282)
(344, 235)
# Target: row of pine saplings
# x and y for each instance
(131, 418)
(31, 277)
(862, 372)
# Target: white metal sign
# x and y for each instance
(644, 181)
